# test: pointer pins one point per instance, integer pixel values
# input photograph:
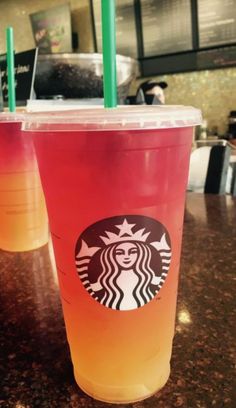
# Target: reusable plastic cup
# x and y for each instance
(23, 216)
(114, 182)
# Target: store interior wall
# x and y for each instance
(210, 90)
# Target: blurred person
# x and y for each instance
(151, 92)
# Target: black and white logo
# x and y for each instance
(123, 261)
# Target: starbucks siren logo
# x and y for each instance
(123, 261)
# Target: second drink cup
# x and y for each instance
(23, 216)
(114, 182)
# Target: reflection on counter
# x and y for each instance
(184, 316)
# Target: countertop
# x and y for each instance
(35, 367)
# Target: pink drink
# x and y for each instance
(115, 189)
(22, 206)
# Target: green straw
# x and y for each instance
(109, 53)
(10, 70)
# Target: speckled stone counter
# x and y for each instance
(35, 367)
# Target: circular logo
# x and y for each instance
(123, 261)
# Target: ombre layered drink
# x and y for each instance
(23, 215)
(114, 182)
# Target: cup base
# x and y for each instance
(120, 395)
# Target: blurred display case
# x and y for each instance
(77, 76)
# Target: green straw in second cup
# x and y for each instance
(109, 53)
(10, 70)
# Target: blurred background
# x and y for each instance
(189, 44)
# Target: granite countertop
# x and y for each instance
(35, 367)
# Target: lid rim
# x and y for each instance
(12, 117)
(126, 116)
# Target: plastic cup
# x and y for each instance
(23, 215)
(114, 181)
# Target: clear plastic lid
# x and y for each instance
(9, 117)
(123, 117)
(47, 105)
